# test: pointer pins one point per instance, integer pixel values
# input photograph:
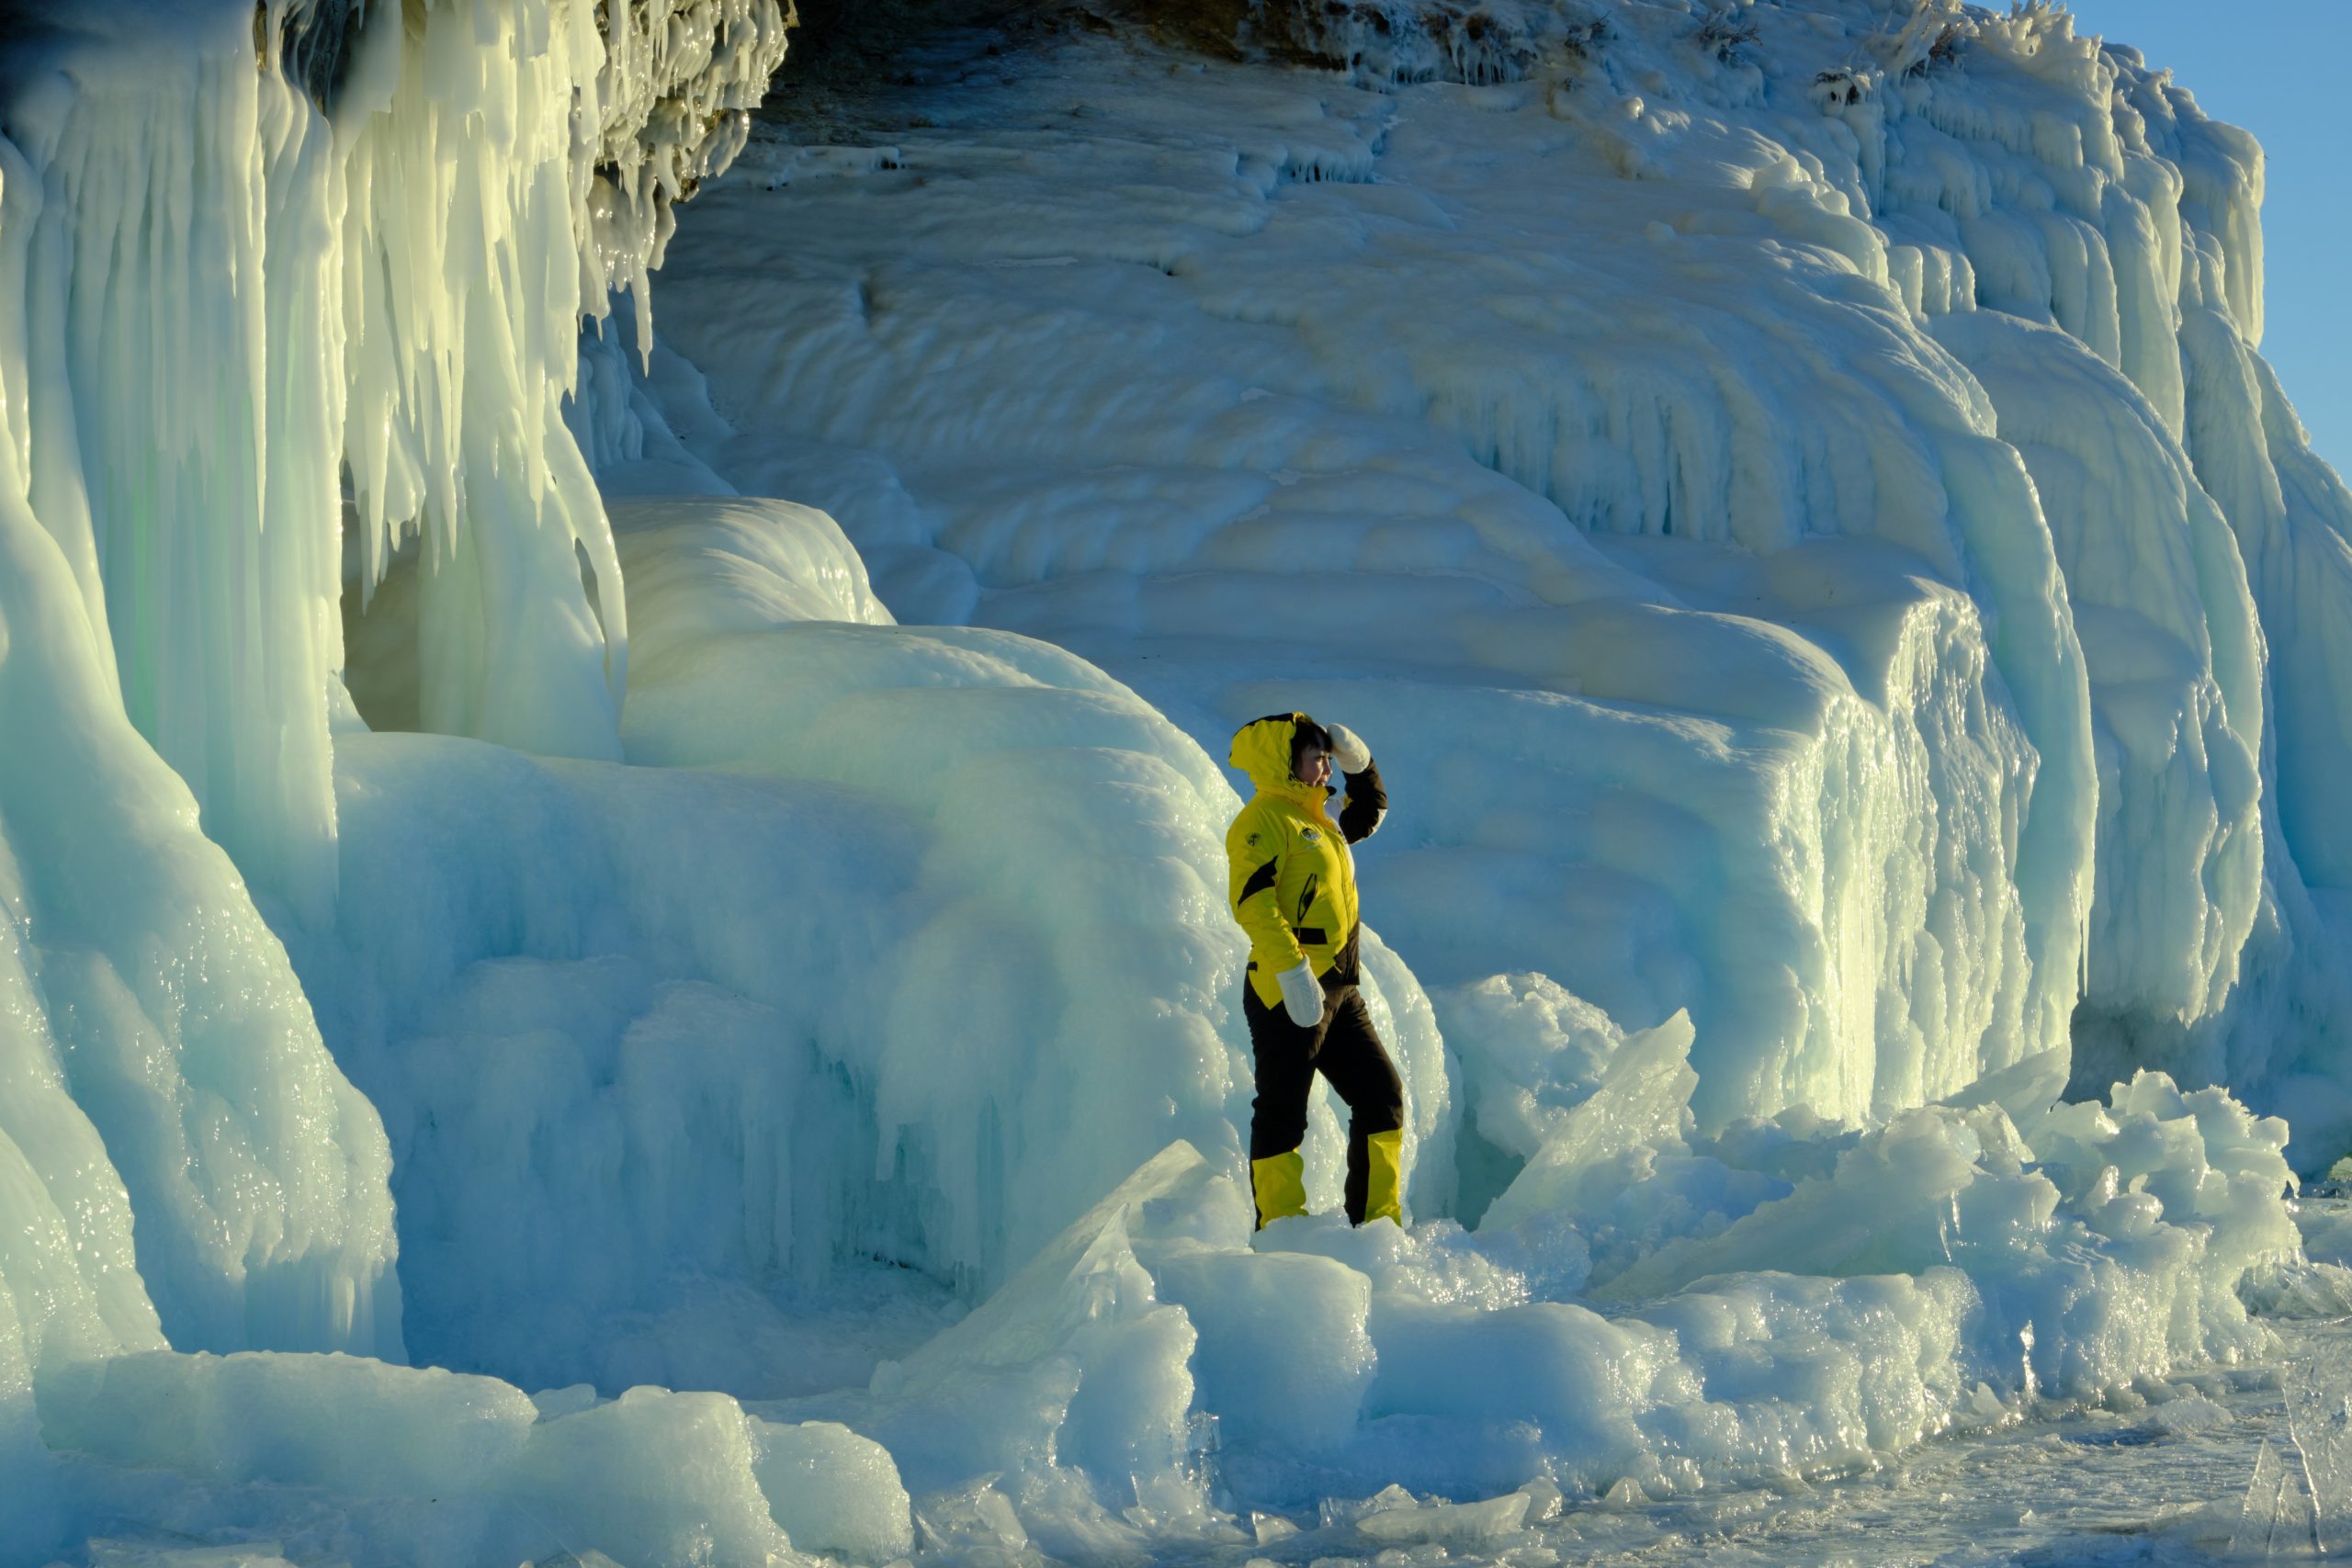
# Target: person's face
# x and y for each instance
(1314, 766)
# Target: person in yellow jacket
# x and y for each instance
(1293, 887)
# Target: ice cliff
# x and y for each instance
(600, 864)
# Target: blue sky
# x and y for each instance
(2277, 68)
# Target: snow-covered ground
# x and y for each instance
(616, 945)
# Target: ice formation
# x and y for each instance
(1724, 570)
(691, 908)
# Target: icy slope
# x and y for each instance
(1210, 372)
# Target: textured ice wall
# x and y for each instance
(2132, 224)
(216, 288)
(172, 1069)
(1679, 775)
(206, 265)
(177, 1153)
(232, 290)
(209, 284)
(939, 951)
(1801, 414)
(194, 293)
(2138, 236)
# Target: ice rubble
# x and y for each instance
(1782, 668)
(1925, 1275)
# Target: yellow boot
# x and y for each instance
(1279, 1182)
(1386, 1155)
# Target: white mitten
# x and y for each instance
(1348, 753)
(1302, 998)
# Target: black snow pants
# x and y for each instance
(1343, 1047)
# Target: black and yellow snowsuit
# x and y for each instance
(1293, 886)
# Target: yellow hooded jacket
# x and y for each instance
(1290, 879)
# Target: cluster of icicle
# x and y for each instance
(382, 244)
(257, 273)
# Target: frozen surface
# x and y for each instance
(2147, 1484)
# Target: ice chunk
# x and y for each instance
(1530, 1049)
(2277, 1517)
(832, 1491)
(340, 1423)
(1283, 1357)
(656, 1477)
(2287, 1289)
(1433, 1261)
(568, 1401)
(2318, 1390)
(1642, 1100)
(1268, 1529)
(1347, 1510)
(1075, 1362)
(1884, 1210)
(976, 1518)
(1461, 1526)
(2192, 1413)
